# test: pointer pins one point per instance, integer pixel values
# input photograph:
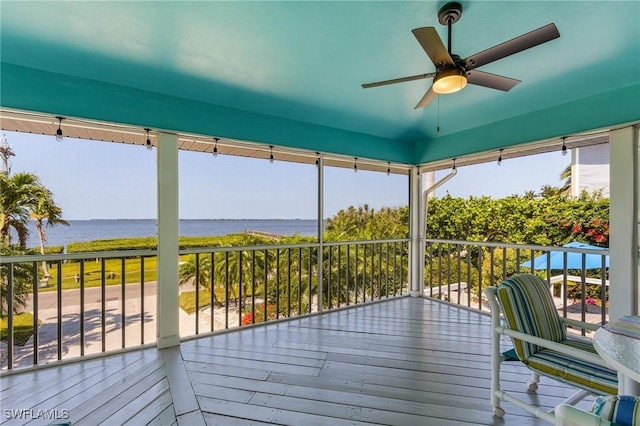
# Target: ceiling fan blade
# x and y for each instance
(398, 80)
(491, 81)
(426, 99)
(518, 44)
(432, 44)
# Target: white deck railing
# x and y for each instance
(106, 301)
(458, 271)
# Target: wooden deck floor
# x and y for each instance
(399, 362)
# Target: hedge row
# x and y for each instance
(150, 243)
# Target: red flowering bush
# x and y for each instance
(248, 318)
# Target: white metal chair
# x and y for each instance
(541, 342)
(606, 411)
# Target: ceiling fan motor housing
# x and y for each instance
(450, 12)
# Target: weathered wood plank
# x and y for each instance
(96, 387)
(225, 370)
(263, 356)
(202, 345)
(143, 402)
(222, 393)
(166, 418)
(249, 363)
(235, 409)
(116, 397)
(219, 420)
(153, 410)
(184, 400)
(241, 383)
(194, 418)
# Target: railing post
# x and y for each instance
(623, 228)
(167, 319)
(416, 260)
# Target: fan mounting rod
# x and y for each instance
(448, 15)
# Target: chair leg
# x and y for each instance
(496, 361)
(533, 382)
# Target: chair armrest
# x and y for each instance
(563, 349)
(580, 324)
(568, 415)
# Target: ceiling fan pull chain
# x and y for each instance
(438, 114)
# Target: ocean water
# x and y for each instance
(98, 229)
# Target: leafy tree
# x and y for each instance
(364, 223)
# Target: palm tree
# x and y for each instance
(21, 284)
(566, 186)
(198, 267)
(19, 196)
(243, 266)
(46, 208)
(294, 274)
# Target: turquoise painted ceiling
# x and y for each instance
(289, 73)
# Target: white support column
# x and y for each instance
(320, 228)
(623, 226)
(167, 320)
(415, 261)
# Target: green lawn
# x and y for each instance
(187, 299)
(22, 328)
(93, 273)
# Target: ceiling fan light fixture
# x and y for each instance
(449, 81)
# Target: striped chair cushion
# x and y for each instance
(528, 307)
(622, 410)
(590, 377)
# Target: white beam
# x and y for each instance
(416, 259)
(167, 320)
(623, 227)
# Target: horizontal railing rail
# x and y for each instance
(5, 260)
(96, 302)
(459, 271)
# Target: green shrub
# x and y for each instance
(53, 250)
(114, 244)
(592, 291)
(150, 243)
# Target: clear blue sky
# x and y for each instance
(103, 180)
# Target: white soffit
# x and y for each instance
(534, 148)
(26, 122)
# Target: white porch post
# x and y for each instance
(415, 259)
(167, 321)
(623, 223)
(320, 229)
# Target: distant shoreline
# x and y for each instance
(101, 229)
(229, 219)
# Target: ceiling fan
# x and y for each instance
(453, 73)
